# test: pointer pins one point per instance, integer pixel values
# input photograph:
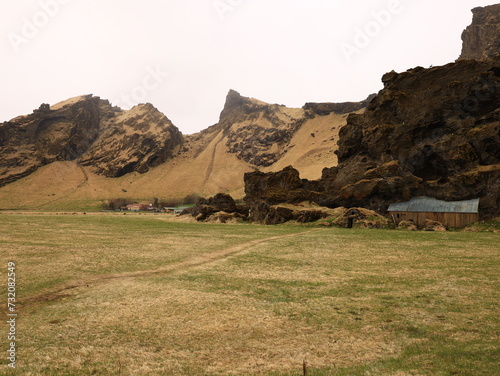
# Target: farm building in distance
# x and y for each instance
(136, 207)
(453, 214)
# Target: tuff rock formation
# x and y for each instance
(432, 132)
(260, 133)
(79, 141)
(90, 131)
(429, 132)
(481, 40)
(220, 207)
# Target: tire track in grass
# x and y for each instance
(197, 261)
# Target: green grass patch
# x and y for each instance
(211, 299)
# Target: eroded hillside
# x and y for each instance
(89, 132)
(85, 150)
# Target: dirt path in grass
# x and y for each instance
(197, 261)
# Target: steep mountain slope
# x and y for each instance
(139, 154)
(136, 140)
(92, 133)
(269, 136)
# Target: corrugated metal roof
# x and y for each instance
(427, 204)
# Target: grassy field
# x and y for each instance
(142, 295)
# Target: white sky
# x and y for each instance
(183, 56)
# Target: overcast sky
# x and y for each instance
(183, 56)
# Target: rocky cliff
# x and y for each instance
(133, 140)
(90, 131)
(338, 108)
(260, 134)
(432, 132)
(257, 132)
(481, 40)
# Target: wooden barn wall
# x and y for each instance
(448, 219)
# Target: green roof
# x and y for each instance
(427, 204)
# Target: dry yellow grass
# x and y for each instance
(142, 295)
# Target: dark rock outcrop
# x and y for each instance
(278, 187)
(257, 132)
(220, 207)
(262, 212)
(481, 40)
(266, 191)
(432, 132)
(338, 108)
(220, 202)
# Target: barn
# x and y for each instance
(449, 213)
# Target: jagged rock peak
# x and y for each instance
(75, 100)
(235, 101)
(481, 40)
(143, 109)
(145, 106)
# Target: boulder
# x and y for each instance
(220, 202)
(219, 208)
(262, 212)
(278, 187)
